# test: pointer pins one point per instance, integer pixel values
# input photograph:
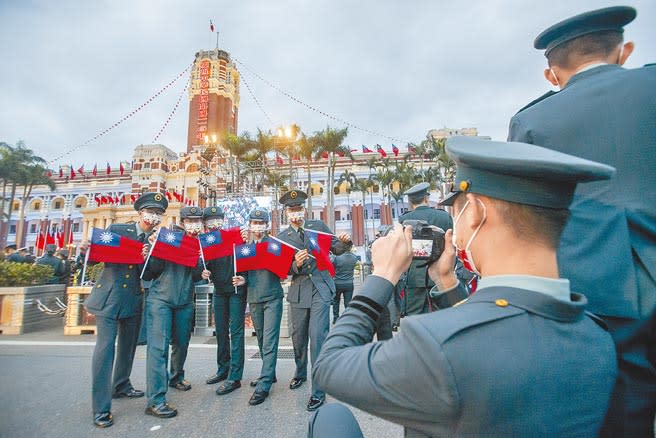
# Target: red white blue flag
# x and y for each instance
(110, 247)
(177, 247)
(319, 246)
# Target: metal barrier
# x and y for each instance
(203, 320)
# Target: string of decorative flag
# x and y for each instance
(312, 108)
(175, 108)
(126, 117)
(257, 101)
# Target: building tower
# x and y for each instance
(213, 97)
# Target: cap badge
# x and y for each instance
(293, 194)
(258, 213)
(193, 209)
(464, 185)
(158, 197)
(213, 210)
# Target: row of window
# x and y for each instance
(33, 228)
(57, 204)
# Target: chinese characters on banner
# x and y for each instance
(204, 99)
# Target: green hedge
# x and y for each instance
(22, 274)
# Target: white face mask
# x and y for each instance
(296, 216)
(213, 224)
(193, 227)
(257, 228)
(465, 255)
(151, 218)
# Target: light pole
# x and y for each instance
(289, 133)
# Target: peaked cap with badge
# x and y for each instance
(293, 198)
(259, 214)
(418, 191)
(212, 212)
(599, 20)
(151, 200)
(191, 213)
(519, 172)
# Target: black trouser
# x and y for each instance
(341, 289)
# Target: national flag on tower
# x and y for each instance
(211, 26)
(219, 243)
(177, 247)
(381, 151)
(110, 247)
(319, 246)
(395, 150)
(366, 150)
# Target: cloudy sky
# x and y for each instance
(71, 69)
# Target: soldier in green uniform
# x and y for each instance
(265, 296)
(169, 310)
(117, 302)
(417, 283)
(49, 259)
(520, 357)
(229, 304)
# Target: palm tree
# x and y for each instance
(238, 146)
(30, 176)
(275, 179)
(16, 163)
(349, 178)
(330, 141)
(308, 149)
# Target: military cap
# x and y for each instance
(210, 212)
(418, 190)
(293, 198)
(151, 200)
(519, 172)
(64, 252)
(191, 212)
(259, 214)
(23, 248)
(12, 246)
(51, 247)
(606, 19)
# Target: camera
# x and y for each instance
(427, 240)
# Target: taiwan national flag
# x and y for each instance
(110, 247)
(279, 258)
(250, 256)
(319, 246)
(219, 243)
(175, 246)
(381, 151)
(395, 150)
(366, 150)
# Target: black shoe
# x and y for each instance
(104, 419)
(181, 386)
(254, 381)
(216, 378)
(315, 403)
(130, 393)
(228, 386)
(162, 411)
(395, 328)
(258, 397)
(296, 382)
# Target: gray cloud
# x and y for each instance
(73, 68)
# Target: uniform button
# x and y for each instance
(124, 286)
(310, 275)
(127, 275)
(99, 285)
(501, 302)
(130, 266)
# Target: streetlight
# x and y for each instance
(290, 133)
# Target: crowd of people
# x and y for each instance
(58, 259)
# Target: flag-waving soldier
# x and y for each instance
(116, 300)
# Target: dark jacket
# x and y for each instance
(223, 269)
(344, 266)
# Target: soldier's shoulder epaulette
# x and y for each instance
(465, 316)
(536, 101)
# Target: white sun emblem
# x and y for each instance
(313, 242)
(245, 251)
(170, 237)
(106, 237)
(274, 246)
(210, 238)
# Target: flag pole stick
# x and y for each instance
(202, 258)
(234, 260)
(291, 246)
(86, 259)
(149, 253)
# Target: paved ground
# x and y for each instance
(46, 392)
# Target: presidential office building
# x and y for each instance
(204, 174)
